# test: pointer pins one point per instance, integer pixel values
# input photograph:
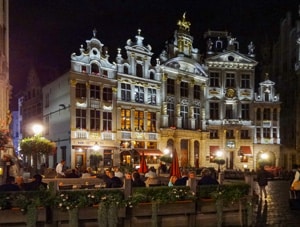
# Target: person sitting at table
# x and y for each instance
(10, 185)
(184, 177)
(137, 181)
(206, 178)
(73, 174)
(113, 181)
(36, 184)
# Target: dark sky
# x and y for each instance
(44, 33)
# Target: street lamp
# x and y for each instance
(37, 129)
(219, 160)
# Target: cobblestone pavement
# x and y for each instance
(275, 210)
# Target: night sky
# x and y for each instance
(44, 33)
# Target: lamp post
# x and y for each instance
(219, 160)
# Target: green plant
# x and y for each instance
(229, 193)
(5, 201)
(166, 159)
(68, 200)
(161, 194)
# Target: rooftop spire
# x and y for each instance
(94, 32)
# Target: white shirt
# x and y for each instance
(59, 169)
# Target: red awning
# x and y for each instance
(154, 152)
(213, 149)
(245, 150)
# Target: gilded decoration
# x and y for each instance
(184, 24)
(73, 82)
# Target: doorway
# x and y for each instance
(80, 160)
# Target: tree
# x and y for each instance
(35, 147)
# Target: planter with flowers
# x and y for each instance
(79, 205)
(156, 203)
(219, 198)
(20, 207)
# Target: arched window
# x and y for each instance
(95, 69)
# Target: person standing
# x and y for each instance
(60, 169)
(262, 180)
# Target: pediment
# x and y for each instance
(186, 65)
(230, 57)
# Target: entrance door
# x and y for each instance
(80, 160)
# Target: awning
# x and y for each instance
(245, 150)
(154, 152)
(213, 149)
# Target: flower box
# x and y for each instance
(179, 207)
(15, 215)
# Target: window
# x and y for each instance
(151, 96)
(184, 110)
(80, 90)
(125, 92)
(229, 134)
(258, 133)
(139, 94)
(275, 133)
(245, 111)
(197, 92)
(151, 122)
(275, 114)
(95, 91)
(170, 86)
(139, 120)
(139, 70)
(152, 75)
(230, 82)
(83, 68)
(107, 121)
(95, 120)
(213, 134)
(104, 73)
(266, 132)
(184, 89)
(95, 69)
(245, 134)
(125, 119)
(258, 114)
(267, 114)
(171, 114)
(107, 94)
(197, 116)
(214, 110)
(80, 118)
(214, 80)
(47, 100)
(245, 81)
(229, 111)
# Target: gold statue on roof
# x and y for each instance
(184, 24)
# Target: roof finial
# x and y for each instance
(94, 32)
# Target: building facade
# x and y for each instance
(202, 106)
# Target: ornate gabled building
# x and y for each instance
(194, 105)
(230, 93)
